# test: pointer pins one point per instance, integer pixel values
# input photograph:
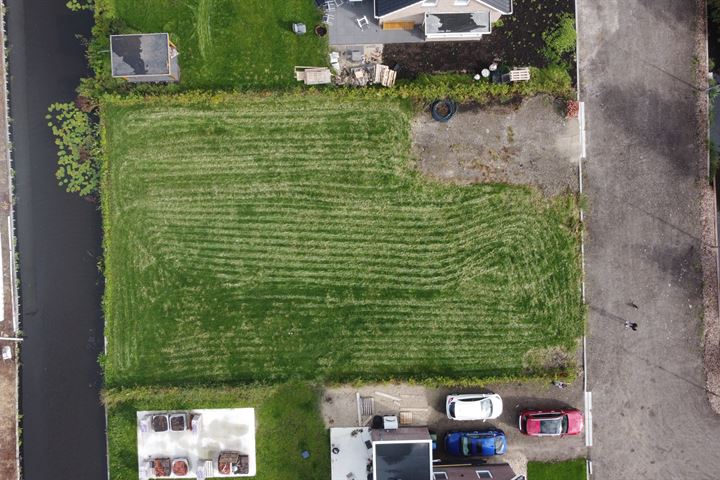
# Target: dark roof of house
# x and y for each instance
(449, 23)
(504, 6)
(383, 7)
(139, 55)
(411, 461)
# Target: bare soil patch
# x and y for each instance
(8, 420)
(530, 144)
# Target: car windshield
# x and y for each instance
(553, 426)
(484, 407)
(498, 443)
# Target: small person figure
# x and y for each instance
(632, 304)
(631, 325)
(559, 384)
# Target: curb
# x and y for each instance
(11, 266)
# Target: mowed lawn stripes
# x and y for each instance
(290, 237)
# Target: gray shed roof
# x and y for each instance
(140, 55)
(384, 7)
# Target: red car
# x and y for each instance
(551, 423)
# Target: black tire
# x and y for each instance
(439, 106)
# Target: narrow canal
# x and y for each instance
(59, 243)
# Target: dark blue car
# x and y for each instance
(471, 444)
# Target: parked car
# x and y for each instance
(473, 406)
(551, 423)
(469, 444)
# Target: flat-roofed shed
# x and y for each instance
(145, 57)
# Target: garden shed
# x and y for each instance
(145, 57)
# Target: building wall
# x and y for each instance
(501, 471)
(416, 13)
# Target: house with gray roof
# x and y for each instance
(442, 19)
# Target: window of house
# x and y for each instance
(429, 3)
(462, 3)
(440, 476)
(483, 474)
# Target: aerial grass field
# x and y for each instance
(229, 43)
(568, 470)
(287, 416)
(278, 238)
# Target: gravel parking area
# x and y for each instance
(528, 144)
(427, 406)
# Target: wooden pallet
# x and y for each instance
(367, 406)
(520, 74)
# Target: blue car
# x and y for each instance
(471, 444)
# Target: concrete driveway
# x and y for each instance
(640, 75)
(427, 405)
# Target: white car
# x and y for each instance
(473, 406)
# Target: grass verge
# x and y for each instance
(267, 239)
(288, 422)
(568, 470)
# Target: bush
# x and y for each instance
(560, 42)
(77, 137)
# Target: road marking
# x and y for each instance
(2, 286)
(588, 468)
(11, 276)
(581, 117)
(588, 419)
(585, 385)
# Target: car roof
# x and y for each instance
(469, 408)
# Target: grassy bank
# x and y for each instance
(288, 422)
(568, 470)
(289, 237)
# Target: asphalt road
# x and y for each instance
(59, 242)
(652, 418)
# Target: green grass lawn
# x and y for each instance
(229, 43)
(290, 238)
(287, 417)
(569, 470)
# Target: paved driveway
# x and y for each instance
(643, 177)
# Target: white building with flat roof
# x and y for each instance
(201, 443)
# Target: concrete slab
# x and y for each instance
(218, 430)
(344, 29)
(349, 454)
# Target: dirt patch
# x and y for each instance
(8, 420)
(517, 41)
(529, 144)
